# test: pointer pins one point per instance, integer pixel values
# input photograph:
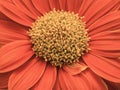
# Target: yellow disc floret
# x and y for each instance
(59, 37)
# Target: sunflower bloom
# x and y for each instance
(59, 44)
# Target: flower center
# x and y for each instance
(59, 37)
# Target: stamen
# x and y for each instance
(59, 37)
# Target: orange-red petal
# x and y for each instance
(42, 6)
(27, 75)
(107, 54)
(10, 31)
(106, 41)
(54, 4)
(3, 17)
(113, 86)
(14, 13)
(14, 54)
(102, 35)
(98, 9)
(84, 6)
(48, 79)
(95, 82)
(71, 82)
(106, 47)
(20, 4)
(31, 7)
(57, 84)
(4, 77)
(62, 4)
(73, 5)
(75, 68)
(107, 68)
(86, 80)
(105, 23)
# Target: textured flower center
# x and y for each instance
(59, 37)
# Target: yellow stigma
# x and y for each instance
(59, 37)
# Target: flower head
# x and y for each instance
(59, 44)
(59, 37)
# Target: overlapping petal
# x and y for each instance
(57, 84)
(105, 23)
(42, 6)
(74, 5)
(30, 6)
(14, 55)
(48, 79)
(27, 10)
(105, 38)
(113, 86)
(98, 9)
(4, 77)
(86, 80)
(84, 6)
(107, 43)
(75, 68)
(14, 13)
(106, 68)
(10, 31)
(62, 4)
(3, 17)
(27, 75)
(55, 4)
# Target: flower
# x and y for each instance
(33, 31)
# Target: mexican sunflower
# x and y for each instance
(59, 44)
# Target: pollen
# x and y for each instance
(60, 37)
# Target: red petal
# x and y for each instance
(107, 33)
(0, 45)
(11, 31)
(70, 5)
(95, 82)
(47, 81)
(4, 77)
(20, 4)
(77, 5)
(106, 68)
(102, 47)
(84, 6)
(41, 5)
(3, 17)
(54, 4)
(73, 5)
(86, 80)
(113, 86)
(75, 68)
(105, 23)
(71, 82)
(107, 41)
(26, 76)
(63, 4)
(32, 9)
(98, 9)
(14, 13)
(14, 55)
(107, 54)
(57, 85)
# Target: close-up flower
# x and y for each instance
(60, 44)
